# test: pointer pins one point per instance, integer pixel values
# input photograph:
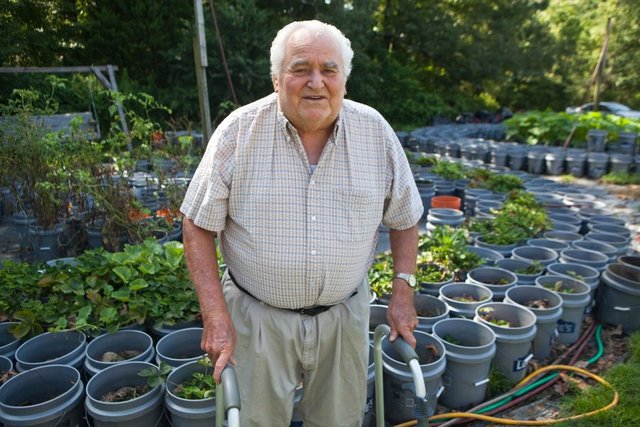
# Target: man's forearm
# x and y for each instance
(202, 262)
(404, 249)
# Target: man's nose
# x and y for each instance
(315, 79)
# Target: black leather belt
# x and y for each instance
(305, 311)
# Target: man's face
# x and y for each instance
(311, 85)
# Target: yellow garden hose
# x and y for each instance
(508, 421)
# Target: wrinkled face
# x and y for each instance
(311, 85)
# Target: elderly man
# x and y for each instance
(295, 185)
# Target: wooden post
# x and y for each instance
(123, 120)
(600, 67)
(200, 55)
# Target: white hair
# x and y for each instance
(279, 44)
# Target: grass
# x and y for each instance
(621, 178)
(625, 378)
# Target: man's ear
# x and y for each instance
(274, 80)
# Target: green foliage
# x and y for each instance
(550, 128)
(449, 170)
(446, 247)
(621, 178)
(432, 273)
(499, 183)
(381, 274)
(520, 218)
(200, 385)
(102, 291)
(156, 376)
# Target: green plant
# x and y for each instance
(621, 178)
(447, 248)
(449, 170)
(432, 273)
(200, 385)
(487, 313)
(156, 376)
(535, 268)
(381, 274)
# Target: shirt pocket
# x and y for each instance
(357, 214)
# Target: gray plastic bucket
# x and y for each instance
(565, 236)
(377, 316)
(477, 295)
(618, 299)
(515, 265)
(430, 310)
(589, 258)
(188, 412)
(433, 289)
(504, 250)
(5, 364)
(180, 347)
(621, 243)
(443, 216)
(489, 256)
(469, 350)
(574, 306)
(399, 398)
(489, 276)
(544, 256)
(52, 348)
(588, 275)
(55, 395)
(556, 245)
(123, 340)
(514, 342)
(143, 411)
(546, 318)
(631, 260)
(160, 329)
(604, 248)
(8, 343)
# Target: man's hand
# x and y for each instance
(218, 340)
(401, 313)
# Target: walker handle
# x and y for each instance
(405, 350)
(230, 388)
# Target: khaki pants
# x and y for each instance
(278, 349)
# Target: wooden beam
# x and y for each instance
(54, 70)
(200, 55)
(123, 120)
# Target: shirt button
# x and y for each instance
(314, 252)
(313, 218)
(312, 182)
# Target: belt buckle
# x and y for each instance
(313, 311)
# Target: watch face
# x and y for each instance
(412, 280)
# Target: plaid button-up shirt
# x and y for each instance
(295, 238)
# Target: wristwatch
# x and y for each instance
(409, 278)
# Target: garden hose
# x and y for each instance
(522, 392)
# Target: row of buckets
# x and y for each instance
(592, 161)
(53, 368)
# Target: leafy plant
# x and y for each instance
(621, 178)
(449, 170)
(446, 247)
(156, 376)
(381, 275)
(487, 313)
(201, 384)
(432, 273)
(535, 268)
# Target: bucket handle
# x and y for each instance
(481, 382)
(617, 308)
(440, 391)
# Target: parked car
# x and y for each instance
(606, 107)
